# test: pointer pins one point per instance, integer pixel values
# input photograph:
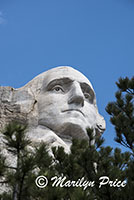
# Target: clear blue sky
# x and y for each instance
(94, 36)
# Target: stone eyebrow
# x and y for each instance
(60, 81)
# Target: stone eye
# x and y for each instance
(87, 95)
(58, 89)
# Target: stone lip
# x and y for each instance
(78, 110)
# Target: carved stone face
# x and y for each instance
(67, 103)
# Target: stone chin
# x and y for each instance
(71, 130)
(68, 129)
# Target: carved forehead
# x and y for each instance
(64, 72)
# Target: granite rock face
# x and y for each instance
(9, 109)
(57, 105)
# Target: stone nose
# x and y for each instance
(76, 95)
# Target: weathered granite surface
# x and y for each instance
(57, 105)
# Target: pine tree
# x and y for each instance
(92, 161)
(2, 165)
(15, 144)
(30, 162)
(122, 117)
(122, 112)
(2, 170)
(86, 159)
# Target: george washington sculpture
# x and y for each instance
(57, 105)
